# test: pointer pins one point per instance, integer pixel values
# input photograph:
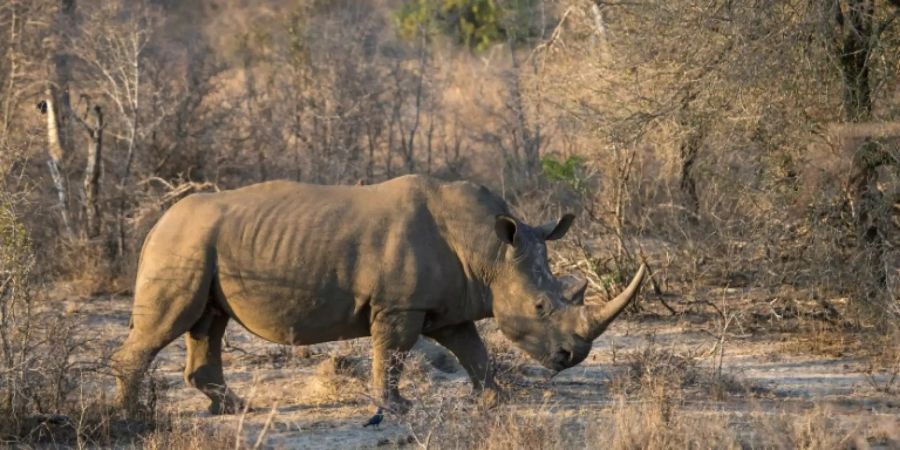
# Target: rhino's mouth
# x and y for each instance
(564, 356)
(567, 356)
(560, 360)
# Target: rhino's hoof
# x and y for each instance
(230, 406)
(131, 409)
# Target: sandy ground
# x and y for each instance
(316, 409)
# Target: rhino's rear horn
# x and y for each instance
(573, 289)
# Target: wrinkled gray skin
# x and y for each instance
(304, 264)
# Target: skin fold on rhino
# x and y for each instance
(304, 264)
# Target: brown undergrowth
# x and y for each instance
(643, 420)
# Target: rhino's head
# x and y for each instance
(544, 315)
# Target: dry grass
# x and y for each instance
(882, 357)
(86, 417)
(642, 422)
(660, 400)
(662, 373)
(818, 428)
(654, 424)
(338, 379)
(186, 435)
(459, 425)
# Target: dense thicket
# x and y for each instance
(756, 142)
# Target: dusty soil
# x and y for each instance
(308, 403)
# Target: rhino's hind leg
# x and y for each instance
(392, 335)
(133, 358)
(203, 369)
(167, 303)
(129, 364)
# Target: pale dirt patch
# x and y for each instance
(321, 403)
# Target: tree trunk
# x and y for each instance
(370, 164)
(57, 108)
(857, 100)
(12, 75)
(409, 150)
(429, 137)
(55, 150)
(689, 148)
(60, 74)
(854, 59)
(92, 173)
(858, 36)
(531, 139)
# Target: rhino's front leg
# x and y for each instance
(393, 334)
(464, 342)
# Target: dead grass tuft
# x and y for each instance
(337, 379)
(652, 366)
(665, 375)
(459, 426)
(656, 423)
(816, 429)
(640, 422)
(883, 363)
(185, 434)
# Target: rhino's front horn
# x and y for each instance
(598, 317)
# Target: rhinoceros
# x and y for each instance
(303, 264)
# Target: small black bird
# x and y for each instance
(376, 419)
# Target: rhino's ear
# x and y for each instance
(505, 227)
(555, 230)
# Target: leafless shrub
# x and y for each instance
(656, 371)
(89, 269)
(667, 378)
(53, 374)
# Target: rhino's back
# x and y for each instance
(308, 263)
